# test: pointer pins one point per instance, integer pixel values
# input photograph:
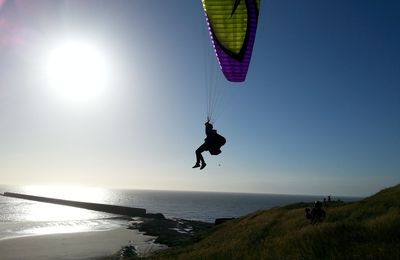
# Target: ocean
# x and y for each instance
(20, 218)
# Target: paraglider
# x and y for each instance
(232, 26)
(212, 143)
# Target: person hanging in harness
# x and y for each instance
(212, 143)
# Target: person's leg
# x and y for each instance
(199, 156)
(199, 150)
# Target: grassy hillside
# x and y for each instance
(369, 229)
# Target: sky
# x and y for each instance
(319, 112)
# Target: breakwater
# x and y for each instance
(113, 209)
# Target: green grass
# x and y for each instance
(368, 229)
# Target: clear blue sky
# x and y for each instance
(319, 112)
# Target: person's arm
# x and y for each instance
(209, 127)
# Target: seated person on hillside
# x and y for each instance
(316, 214)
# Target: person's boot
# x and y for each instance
(202, 166)
(197, 165)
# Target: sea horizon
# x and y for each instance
(36, 186)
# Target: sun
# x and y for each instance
(77, 70)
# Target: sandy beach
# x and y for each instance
(85, 245)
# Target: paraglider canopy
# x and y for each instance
(232, 25)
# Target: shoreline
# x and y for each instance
(80, 245)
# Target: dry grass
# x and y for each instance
(369, 229)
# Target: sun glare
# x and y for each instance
(77, 70)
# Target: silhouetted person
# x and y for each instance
(212, 143)
(308, 213)
(316, 214)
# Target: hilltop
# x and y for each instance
(367, 229)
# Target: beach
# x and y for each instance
(83, 245)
